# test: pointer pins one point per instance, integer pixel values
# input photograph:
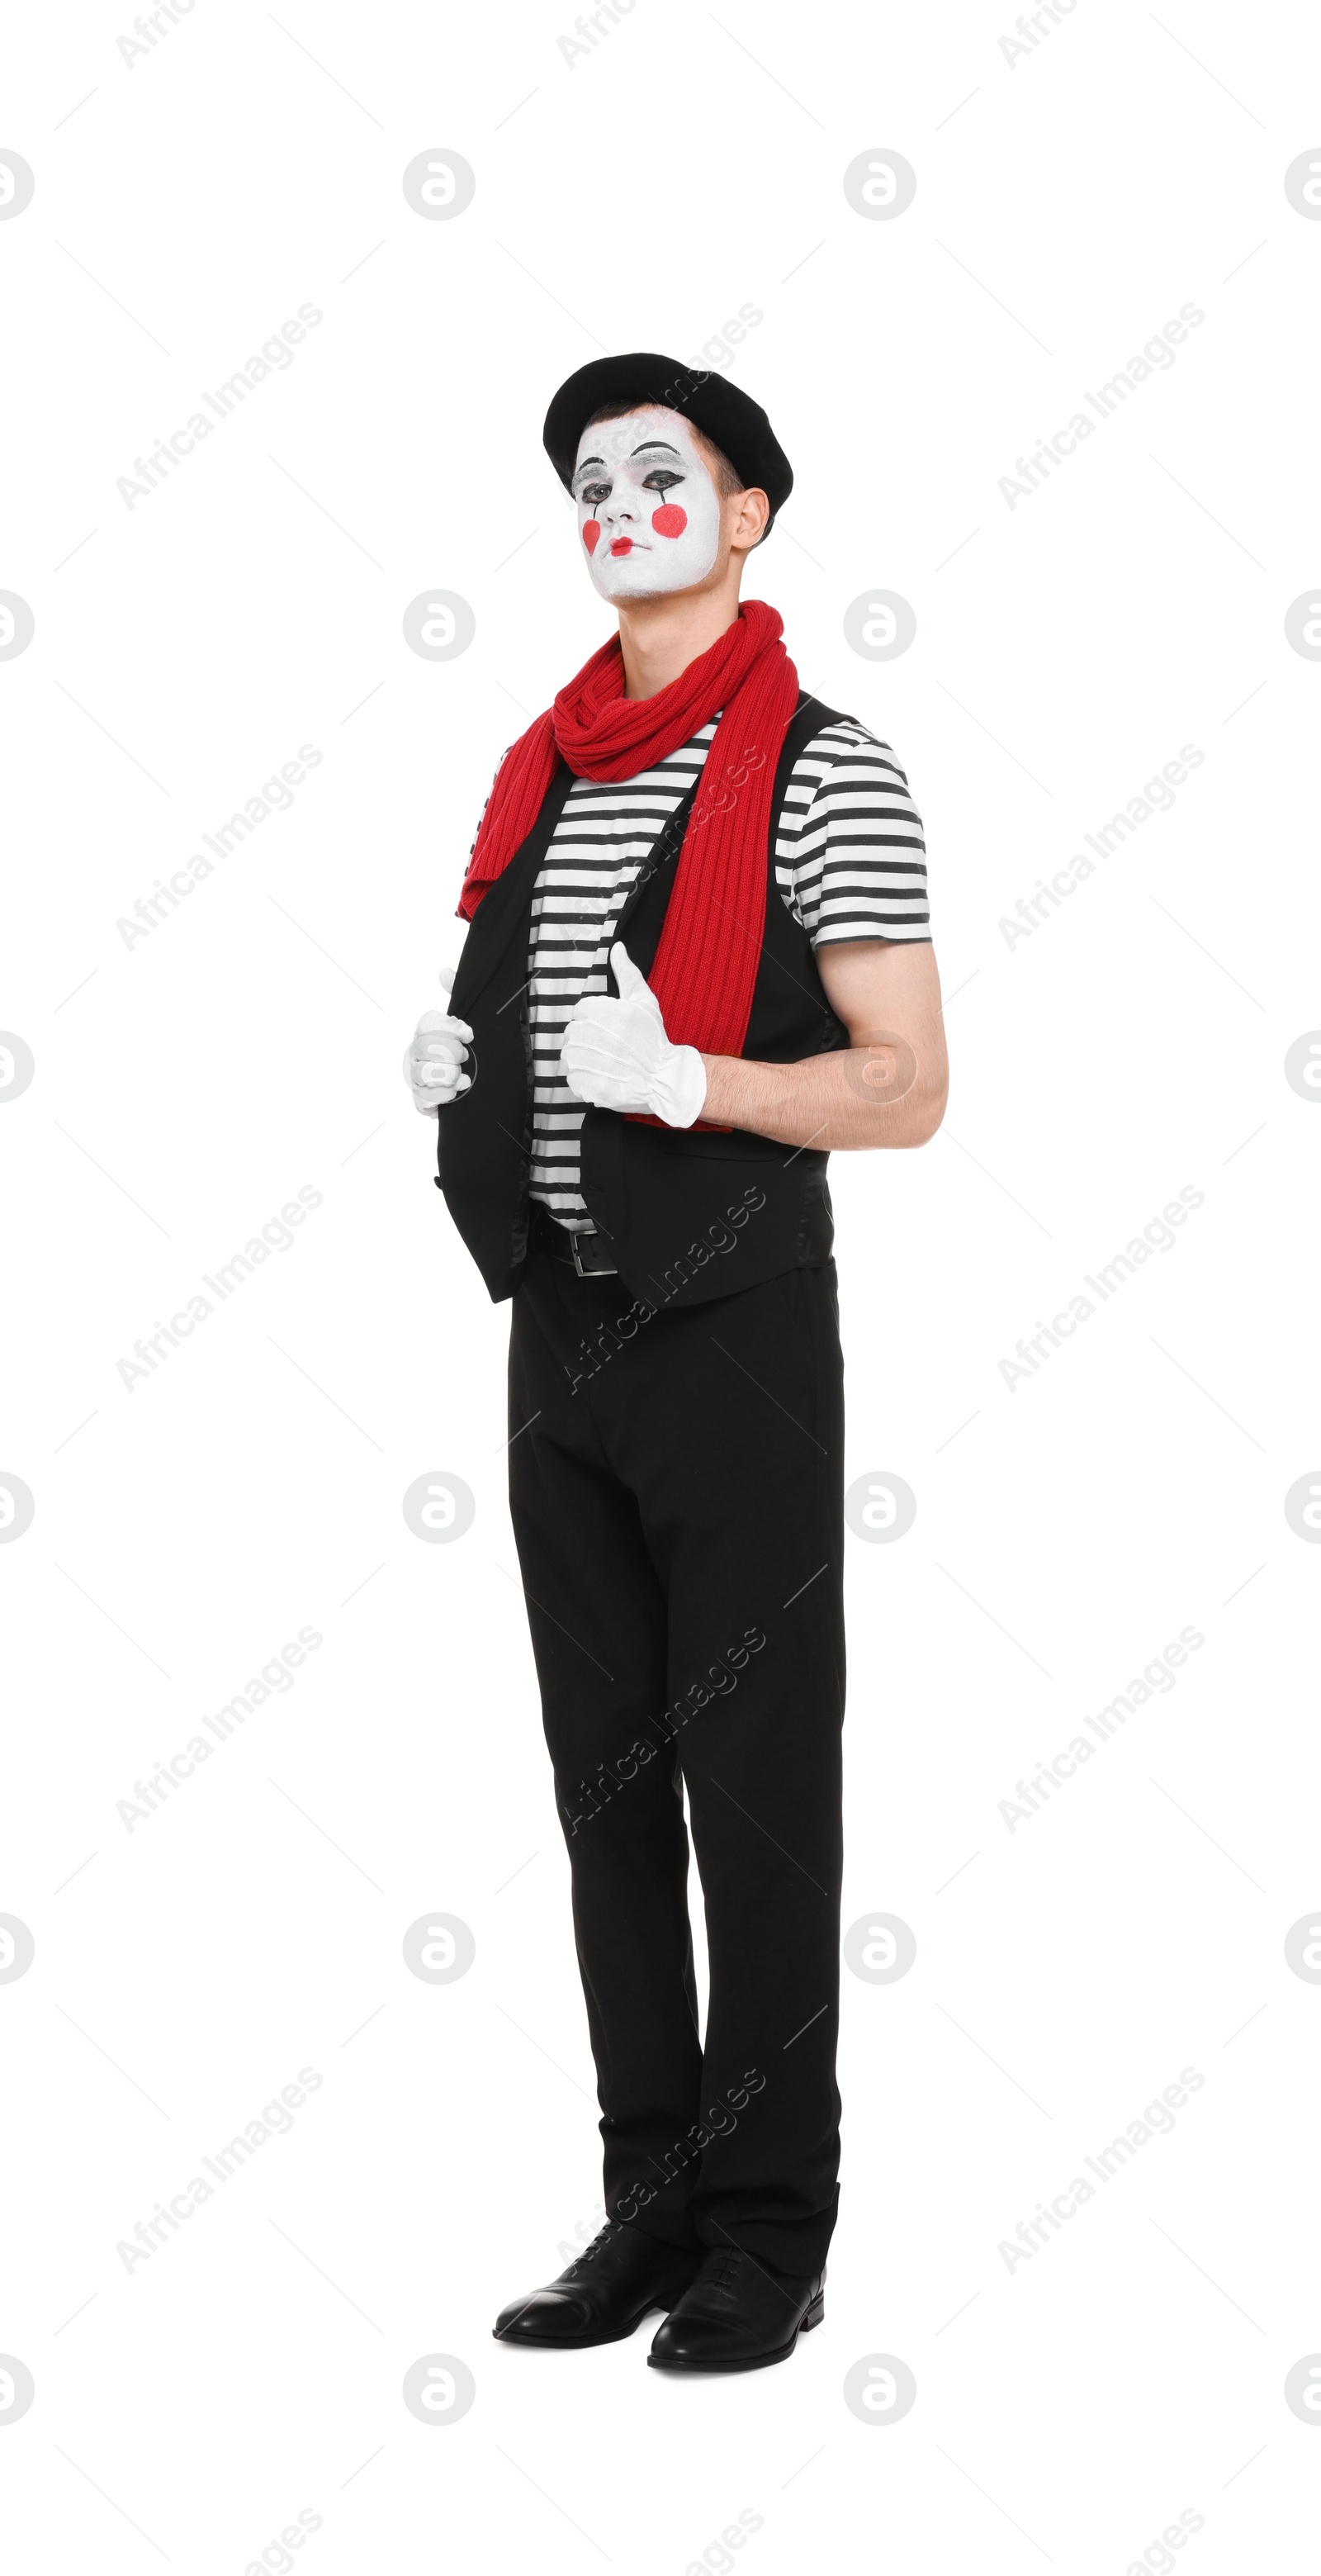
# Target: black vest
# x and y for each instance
(690, 1214)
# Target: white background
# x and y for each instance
(1068, 203)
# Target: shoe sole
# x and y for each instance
(761, 2361)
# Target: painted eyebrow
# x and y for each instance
(658, 446)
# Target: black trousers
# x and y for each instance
(677, 1494)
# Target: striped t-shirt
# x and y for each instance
(850, 863)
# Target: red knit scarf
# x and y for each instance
(706, 964)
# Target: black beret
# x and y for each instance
(722, 411)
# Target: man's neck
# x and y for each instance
(660, 637)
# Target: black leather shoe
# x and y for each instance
(738, 2315)
(602, 2295)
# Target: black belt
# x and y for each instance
(582, 1250)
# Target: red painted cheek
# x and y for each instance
(591, 534)
(669, 520)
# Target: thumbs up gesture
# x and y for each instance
(616, 1054)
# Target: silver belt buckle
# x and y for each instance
(599, 1273)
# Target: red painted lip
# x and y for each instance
(622, 546)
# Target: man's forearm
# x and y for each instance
(857, 1097)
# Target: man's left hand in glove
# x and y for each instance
(616, 1054)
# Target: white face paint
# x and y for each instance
(648, 510)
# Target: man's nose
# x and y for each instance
(622, 505)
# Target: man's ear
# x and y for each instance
(750, 523)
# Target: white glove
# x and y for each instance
(616, 1055)
(435, 1056)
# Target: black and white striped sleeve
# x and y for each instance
(850, 858)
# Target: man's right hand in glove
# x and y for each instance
(435, 1057)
